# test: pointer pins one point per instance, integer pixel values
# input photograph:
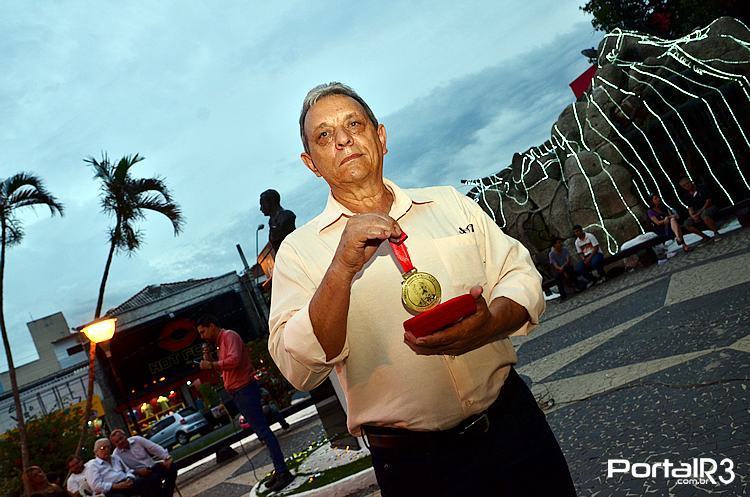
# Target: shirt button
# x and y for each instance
(469, 403)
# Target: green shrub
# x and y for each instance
(52, 438)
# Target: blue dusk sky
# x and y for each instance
(210, 92)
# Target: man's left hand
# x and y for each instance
(167, 463)
(143, 472)
(466, 335)
(206, 364)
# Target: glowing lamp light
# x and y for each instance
(101, 331)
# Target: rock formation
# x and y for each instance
(657, 110)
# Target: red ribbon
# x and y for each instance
(402, 254)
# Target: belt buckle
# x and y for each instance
(484, 419)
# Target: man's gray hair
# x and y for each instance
(100, 442)
(326, 90)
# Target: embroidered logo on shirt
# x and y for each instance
(469, 229)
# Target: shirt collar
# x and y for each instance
(402, 202)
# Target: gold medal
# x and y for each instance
(420, 291)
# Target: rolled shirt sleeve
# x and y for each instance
(509, 268)
(292, 341)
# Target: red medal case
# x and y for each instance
(442, 316)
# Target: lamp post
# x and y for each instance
(257, 230)
(96, 332)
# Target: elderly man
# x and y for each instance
(444, 414)
(107, 474)
(146, 458)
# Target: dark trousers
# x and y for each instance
(143, 487)
(273, 415)
(168, 476)
(247, 400)
(517, 456)
(566, 274)
(596, 263)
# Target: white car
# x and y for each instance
(177, 428)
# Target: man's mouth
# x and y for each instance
(350, 158)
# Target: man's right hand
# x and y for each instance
(143, 472)
(361, 238)
(123, 485)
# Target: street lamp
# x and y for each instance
(100, 331)
(96, 332)
(257, 230)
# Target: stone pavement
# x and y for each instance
(650, 365)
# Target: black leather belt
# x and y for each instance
(467, 430)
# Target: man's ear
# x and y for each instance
(309, 163)
(382, 138)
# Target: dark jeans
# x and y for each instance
(566, 274)
(596, 263)
(169, 476)
(517, 457)
(143, 487)
(247, 400)
(273, 415)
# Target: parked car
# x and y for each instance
(177, 428)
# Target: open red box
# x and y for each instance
(442, 316)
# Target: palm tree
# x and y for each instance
(16, 192)
(127, 199)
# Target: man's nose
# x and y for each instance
(343, 138)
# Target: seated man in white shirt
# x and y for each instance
(76, 484)
(146, 458)
(108, 475)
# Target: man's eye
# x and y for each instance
(354, 124)
(323, 134)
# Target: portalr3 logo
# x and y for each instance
(700, 471)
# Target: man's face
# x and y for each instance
(119, 440)
(687, 185)
(103, 452)
(346, 148)
(208, 332)
(265, 206)
(36, 475)
(75, 466)
(578, 233)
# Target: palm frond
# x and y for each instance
(13, 232)
(102, 169)
(149, 185)
(122, 170)
(170, 210)
(19, 191)
(128, 198)
(32, 197)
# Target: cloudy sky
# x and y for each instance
(210, 94)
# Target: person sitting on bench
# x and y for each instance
(587, 247)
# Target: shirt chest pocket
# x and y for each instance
(463, 259)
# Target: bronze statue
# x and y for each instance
(280, 220)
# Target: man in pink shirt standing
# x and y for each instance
(237, 373)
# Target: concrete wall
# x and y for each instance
(43, 331)
(64, 351)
